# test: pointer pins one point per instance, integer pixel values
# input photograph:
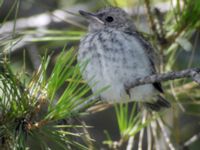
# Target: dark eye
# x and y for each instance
(109, 19)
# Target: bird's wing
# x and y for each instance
(150, 54)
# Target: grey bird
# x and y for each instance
(117, 55)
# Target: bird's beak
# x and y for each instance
(91, 16)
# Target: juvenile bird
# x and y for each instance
(117, 55)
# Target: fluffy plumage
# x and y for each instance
(118, 55)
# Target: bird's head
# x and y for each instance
(111, 17)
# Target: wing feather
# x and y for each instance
(151, 56)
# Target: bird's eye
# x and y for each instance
(109, 19)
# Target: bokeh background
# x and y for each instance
(30, 29)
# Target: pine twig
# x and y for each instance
(151, 18)
(149, 138)
(193, 73)
(130, 143)
(193, 139)
(154, 127)
(141, 135)
(37, 125)
(165, 134)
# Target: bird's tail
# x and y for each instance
(158, 104)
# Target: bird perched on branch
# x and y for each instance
(117, 55)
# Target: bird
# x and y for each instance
(117, 54)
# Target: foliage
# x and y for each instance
(42, 106)
(22, 105)
(192, 8)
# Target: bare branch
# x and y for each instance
(165, 134)
(193, 139)
(150, 16)
(130, 143)
(193, 73)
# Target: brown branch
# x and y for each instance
(193, 73)
(37, 125)
(151, 18)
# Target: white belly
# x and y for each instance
(115, 60)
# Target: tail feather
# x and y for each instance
(159, 104)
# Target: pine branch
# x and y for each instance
(193, 73)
